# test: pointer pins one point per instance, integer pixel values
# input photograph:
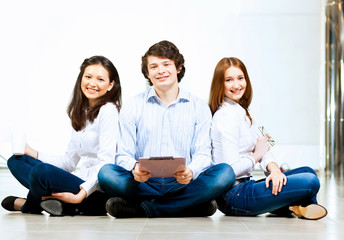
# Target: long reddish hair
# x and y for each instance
(217, 92)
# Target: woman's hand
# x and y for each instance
(68, 197)
(30, 151)
(262, 147)
(184, 177)
(277, 177)
(140, 176)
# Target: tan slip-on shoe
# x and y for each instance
(312, 211)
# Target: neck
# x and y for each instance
(169, 95)
(91, 103)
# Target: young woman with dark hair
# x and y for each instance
(93, 111)
(235, 141)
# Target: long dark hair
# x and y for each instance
(78, 109)
(217, 92)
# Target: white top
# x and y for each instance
(95, 145)
(234, 138)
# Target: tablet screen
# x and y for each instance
(162, 166)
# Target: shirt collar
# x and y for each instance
(230, 101)
(182, 95)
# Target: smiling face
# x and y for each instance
(95, 83)
(163, 73)
(235, 83)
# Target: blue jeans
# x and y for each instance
(42, 179)
(251, 198)
(165, 196)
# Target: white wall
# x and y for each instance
(43, 44)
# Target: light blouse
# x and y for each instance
(95, 145)
(234, 138)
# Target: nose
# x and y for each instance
(92, 82)
(161, 69)
(236, 84)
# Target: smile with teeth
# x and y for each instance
(162, 78)
(91, 90)
(237, 91)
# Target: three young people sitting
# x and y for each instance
(165, 120)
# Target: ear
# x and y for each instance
(111, 86)
(179, 69)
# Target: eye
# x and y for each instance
(241, 78)
(228, 80)
(101, 80)
(88, 77)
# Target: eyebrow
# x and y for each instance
(166, 61)
(98, 76)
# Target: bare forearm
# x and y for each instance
(273, 167)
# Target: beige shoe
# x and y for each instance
(312, 211)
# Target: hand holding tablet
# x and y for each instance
(162, 166)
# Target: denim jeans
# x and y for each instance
(165, 196)
(251, 198)
(42, 179)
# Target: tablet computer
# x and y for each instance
(162, 166)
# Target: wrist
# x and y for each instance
(273, 167)
(256, 158)
(82, 194)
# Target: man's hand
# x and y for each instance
(68, 197)
(140, 176)
(184, 177)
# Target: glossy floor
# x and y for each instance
(26, 226)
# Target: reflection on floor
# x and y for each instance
(26, 226)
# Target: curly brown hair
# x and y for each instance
(164, 49)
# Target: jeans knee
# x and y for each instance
(309, 170)
(312, 182)
(226, 176)
(40, 171)
(103, 175)
(11, 162)
(108, 175)
(115, 180)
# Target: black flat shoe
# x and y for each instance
(53, 207)
(121, 208)
(57, 208)
(8, 203)
(202, 210)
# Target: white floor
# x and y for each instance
(218, 226)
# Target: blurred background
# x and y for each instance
(282, 43)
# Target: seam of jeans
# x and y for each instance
(146, 208)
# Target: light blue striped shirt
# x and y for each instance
(148, 128)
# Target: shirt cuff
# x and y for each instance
(89, 187)
(252, 161)
(43, 157)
